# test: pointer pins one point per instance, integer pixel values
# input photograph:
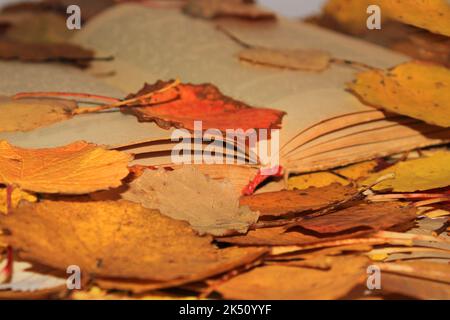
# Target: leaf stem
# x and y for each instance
(9, 192)
(64, 94)
(119, 104)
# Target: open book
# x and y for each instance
(325, 126)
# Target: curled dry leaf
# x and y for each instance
(17, 196)
(375, 216)
(78, 168)
(211, 9)
(436, 19)
(29, 114)
(118, 241)
(298, 59)
(297, 201)
(415, 175)
(289, 283)
(186, 194)
(182, 105)
(416, 89)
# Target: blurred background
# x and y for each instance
(289, 8)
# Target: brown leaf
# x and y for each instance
(78, 168)
(297, 201)
(293, 283)
(299, 59)
(186, 103)
(29, 114)
(117, 240)
(211, 9)
(33, 52)
(278, 236)
(375, 216)
(186, 194)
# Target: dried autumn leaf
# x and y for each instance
(36, 27)
(186, 194)
(16, 197)
(78, 168)
(117, 240)
(317, 179)
(350, 15)
(297, 201)
(416, 89)
(211, 9)
(433, 15)
(34, 52)
(186, 103)
(298, 59)
(278, 236)
(375, 216)
(292, 283)
(415, 175)
(29, 114)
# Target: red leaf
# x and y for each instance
(181, 106)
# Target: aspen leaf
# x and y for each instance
(289, 283)
(186, 194)
(415, 175)
(350, 15)
(416, 89)
(78, 168)
(433, 15)
(297, 201)
(317, 179)
(16, 197)
(186, 103)
(211, 9)
(29, 114)
(375, 216)
(117, 240)
(299, 59)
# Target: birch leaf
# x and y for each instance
(293, 283)
(298, 59)
(16, 197)
(29, 114)
(210, 206)
(78, 168)
(416, 89)
(415, 175)
(211, 9)
(433, 15)
(117, 240)
(186, 103)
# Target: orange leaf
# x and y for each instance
(180, 106)
(78, 168)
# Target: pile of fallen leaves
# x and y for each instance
(222, 231)
(141, 232)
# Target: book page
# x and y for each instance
(150, 44)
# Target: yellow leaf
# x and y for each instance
(433, 15)
(416, 175)
(358, 170)
(351, 15)
(416, 89)
(318, 179)
(78, 168)
(16, 197)
(29, 114)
